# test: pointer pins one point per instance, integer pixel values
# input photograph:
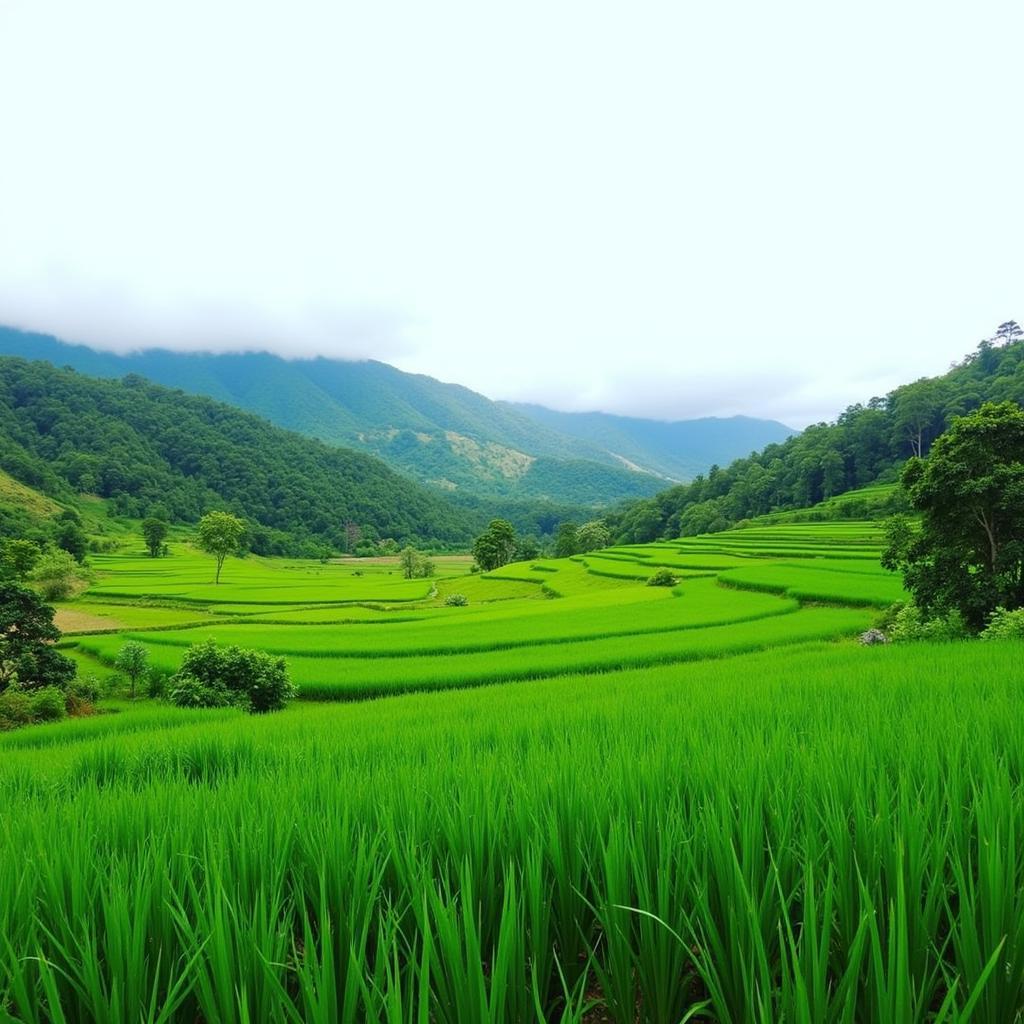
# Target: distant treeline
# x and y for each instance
(866, 444)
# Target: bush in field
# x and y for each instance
(154, 532)
(910, 624)
(28, 659)
(48, 703)
(212, 676)
(456, 600)
(15, 709)
(1004, 625)
(662, 578)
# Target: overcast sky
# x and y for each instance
(666, 209)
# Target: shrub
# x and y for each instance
(15, 709)
(49, 703)
(909, 624)
(156, 683)
(86, 688)
(188, 692)
(662, 578)
(456, 600)
(1004, 625)
(58, 575)
(212, 676)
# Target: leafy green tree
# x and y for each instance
(154, 532)
(495, 546)
(57, 575)
(28, 659)
(566, 540)
(69, 535)
(132, 661)
(220, 534)
(526, 550)
(415, 565)
(592, 536)
(969, 553)
(18, 558)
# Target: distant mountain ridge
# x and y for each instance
(441, 434)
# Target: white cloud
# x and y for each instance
(661, 209)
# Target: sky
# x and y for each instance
(664, 209)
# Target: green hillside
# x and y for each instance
(680, 450)
(442, 434)
(142, 446)
(866, 445)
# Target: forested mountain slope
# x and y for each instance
(681, 450)
(143, 446)
(442, 434)
(867, 443)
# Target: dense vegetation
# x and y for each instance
(867, 443)
(144, 446)
(686, 800)
(441, 434)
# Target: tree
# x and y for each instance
(1009, 332)
(28, 659)
(220, 534)
(415, 565)
(69, 535)
(592, 536)
(495, 546)
(133, 661)
(57, 575)
(19, 558)
(526, 549)
(566, 540)
(969, 553)
(154, 532)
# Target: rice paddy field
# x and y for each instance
(578, 799)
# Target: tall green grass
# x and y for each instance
(825, 834)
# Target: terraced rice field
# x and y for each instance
(698, 803)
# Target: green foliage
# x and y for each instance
(28, 659)
(567, 540)
(220, 534)
(218, 676)
(496, 546)
(18, 558)
(662, 578)
(1004, 625)
(69, 536)
(139, 446)
(968, 555)
(592, 536)
(15, 708)
(867, 443)
(154, 532)
(133, 662)
(48, 704)
(456, 601)
(910, 624)
(58, 576)
(414, 564)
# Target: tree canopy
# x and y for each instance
(496, 546)
(968, 555)
(220, 534)
(28, 658)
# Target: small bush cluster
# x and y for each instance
(20, 707)
(213, 677)
(456, 600)
(1004, 625)
(662, 578)
(903, 623)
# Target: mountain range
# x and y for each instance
(440, 434)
